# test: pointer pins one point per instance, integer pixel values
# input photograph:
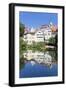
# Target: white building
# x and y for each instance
(36, 36)
(29, 38)
(46, 31)
(41, 34)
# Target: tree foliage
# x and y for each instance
(22, 46)
(21, 28)
(53, 40)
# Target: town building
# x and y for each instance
(46, 31)
(41, 34)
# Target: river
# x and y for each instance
(38, 64)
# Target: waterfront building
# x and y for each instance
(41, 34)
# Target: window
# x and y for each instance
(39, 37)
(48, 33)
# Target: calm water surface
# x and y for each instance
(38, 64)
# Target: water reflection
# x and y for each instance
(38, 64)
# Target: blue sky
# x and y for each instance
(36, 19)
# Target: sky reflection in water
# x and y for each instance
(38, 64)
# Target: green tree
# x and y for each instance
(52, 40)
(22, 46)
(56, 39)
(21, 28)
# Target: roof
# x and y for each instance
(54, 28)
(43, 27)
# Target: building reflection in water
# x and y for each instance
(44, 58)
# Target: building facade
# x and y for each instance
(42, 34)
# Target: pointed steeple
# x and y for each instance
(51, 23)
(32, 29)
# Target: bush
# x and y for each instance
(21, 28)
(53, 41)
(22, 45)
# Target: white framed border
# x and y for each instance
(38, 79)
